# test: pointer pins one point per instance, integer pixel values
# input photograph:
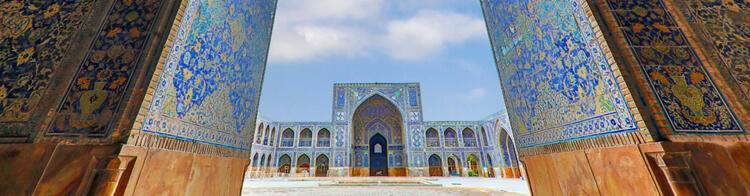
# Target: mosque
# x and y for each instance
(377, 130)
(146, 97)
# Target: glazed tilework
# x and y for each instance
(377, 115)
(35, 36)
(683, 87)
(100, 83)
(210, 85)
(394, 111)
(557, 81)
(727, 24)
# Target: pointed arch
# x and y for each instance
(469, 138)
(285, 163)
(490, 167)
(450, 137)
(262, 162)
(265, 135)
(377, 115)
(273, 137)
(484, 137)
(432, 137)
(509, 151)
(303, 163)
(454, 165)
(287, 138)
(269, 161)
(436, 165)
(255, 160)
(321, 165)
(305, 138)
(473, 162)
(324, 138)
(258, 134)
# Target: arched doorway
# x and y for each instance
(268, 168)
(262, 164)
(377, 144)
(303, 164)
(255, 163)
(473, 164)
(453, 167)
(510, 161)
(321, 166)
(285, 164)
(490, 168)
(436, 165)
(378, 155)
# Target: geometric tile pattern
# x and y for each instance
(209, 89)
(679, 79)
(556, 80)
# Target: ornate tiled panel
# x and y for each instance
(210, 85)
(678, 77)
(100, 82)
(35, 37)
(727, 25)
(555, 77)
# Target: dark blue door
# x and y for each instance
(378, 156)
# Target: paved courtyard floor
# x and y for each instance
(436, 186)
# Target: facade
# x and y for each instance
(143, 97)
(377, 130)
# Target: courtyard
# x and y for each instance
(433, 186)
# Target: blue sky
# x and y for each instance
(442, 44)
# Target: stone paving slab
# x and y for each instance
(311, 186)
(375, 191)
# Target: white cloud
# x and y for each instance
(304, 29)
(476, 93)
(427, 32)
(322, 10)
(307, 42)
(307, 30)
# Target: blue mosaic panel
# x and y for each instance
(339, 161)
(413, 97)
(210, 85)
(685, 91)
(553, 72)
(340, 96)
